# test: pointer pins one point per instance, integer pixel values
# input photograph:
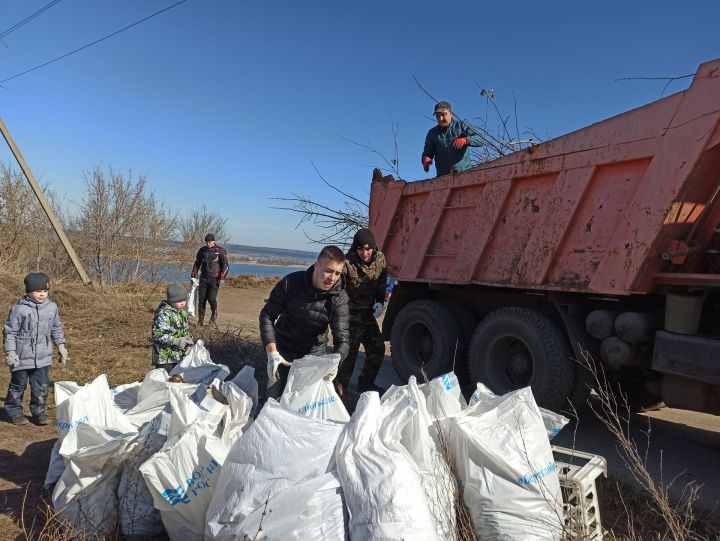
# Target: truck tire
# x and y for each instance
(516, 347)
(423, 339)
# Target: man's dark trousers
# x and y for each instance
(363, 330)
(207, 291)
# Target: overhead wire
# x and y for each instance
(93, 43)
(28, 19)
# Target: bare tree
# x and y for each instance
(122, 229)
(17, 210)
(193, 227)
(27, 240)
(337, 225)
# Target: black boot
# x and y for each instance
(201, 321)
(212, 318)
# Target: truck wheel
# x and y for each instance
(423, 338)
(516, 347)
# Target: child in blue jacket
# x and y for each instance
(32, 327)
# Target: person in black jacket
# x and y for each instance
(212, 265)
(295, 319)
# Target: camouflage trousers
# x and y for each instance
(363, 330)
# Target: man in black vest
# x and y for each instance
(295, 319)
(212, 266)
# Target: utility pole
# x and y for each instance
(44, 204)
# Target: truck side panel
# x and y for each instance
(592, 211)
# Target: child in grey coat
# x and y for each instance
(32, 326)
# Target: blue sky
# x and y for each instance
(229, 102)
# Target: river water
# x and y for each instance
(261, 271)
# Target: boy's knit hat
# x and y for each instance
(176, 293)
(36, 281)
(364, 237)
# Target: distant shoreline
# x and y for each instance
(267, 264)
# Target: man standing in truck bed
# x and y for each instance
(212, 265)
(448, 142)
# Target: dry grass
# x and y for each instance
(627, 515)
(648, 512)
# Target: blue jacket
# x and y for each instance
(30, 330)
(439, 146)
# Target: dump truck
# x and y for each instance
(592, 256)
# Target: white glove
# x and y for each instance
(63, 353)
(194, 282)
(274, 360)
(331, 376)
(378, 309)
(11, 359)
(183, 343)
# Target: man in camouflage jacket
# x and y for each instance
(366, 277)
(170, 329)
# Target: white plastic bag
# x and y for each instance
(554, 422)
(438, 481)
(245, 380)
(279, 450)
(197, 366)
(182, 477)
(309, 394)
(85, 497)
(503, 460)
(381, 482)
(190, 304)
(236, 418)
(90, 404)
(75, 405)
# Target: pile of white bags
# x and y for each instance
(192, 460)
(117, 447)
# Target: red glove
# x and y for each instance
(426, 161)
(460, 142)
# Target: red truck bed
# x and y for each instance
(591, 211)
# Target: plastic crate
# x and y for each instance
(577, 472)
